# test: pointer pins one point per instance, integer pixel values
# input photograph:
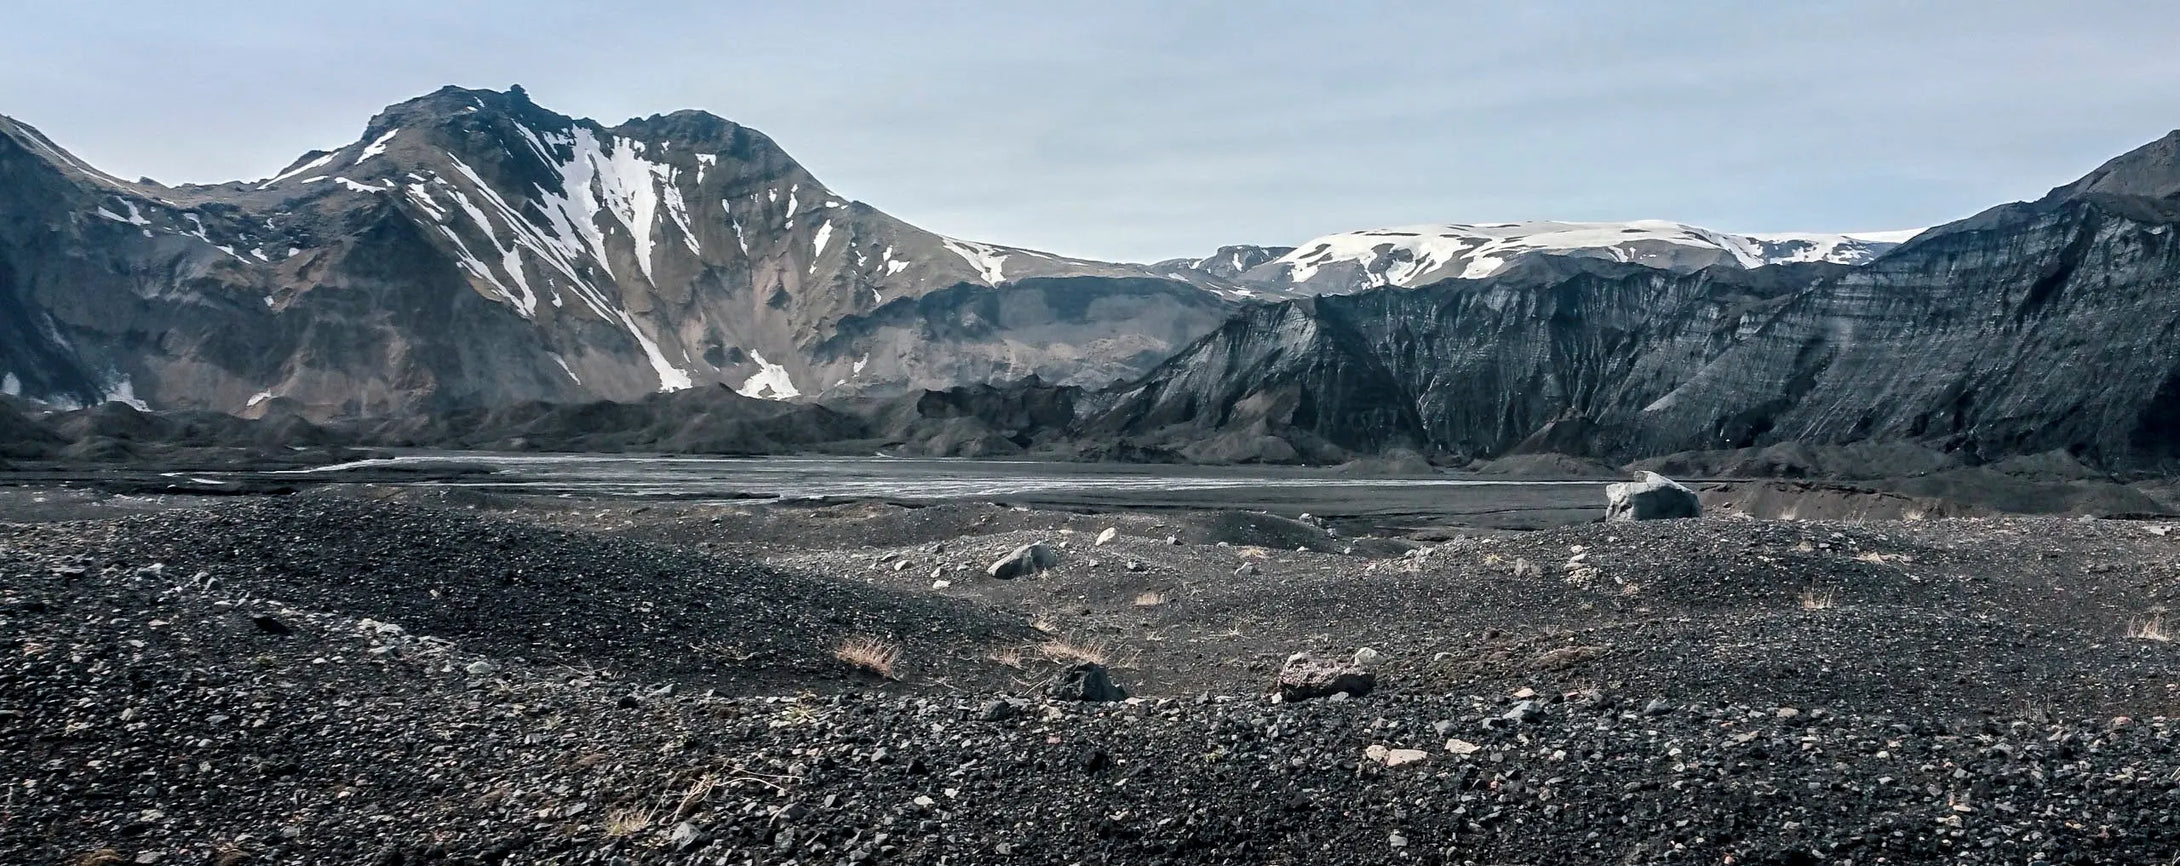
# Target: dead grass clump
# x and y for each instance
(871, 654)
(1006, 657)
(2151, 627)
(627, 822)
(1098, 652)
(1814, 600)
(1150, 599)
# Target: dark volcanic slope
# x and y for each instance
(509, 589)
(2028, 328)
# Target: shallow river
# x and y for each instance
(1283, 490)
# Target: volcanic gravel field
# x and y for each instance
(403, 676)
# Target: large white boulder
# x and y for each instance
(1650, 497)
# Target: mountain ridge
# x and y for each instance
(2027, 328)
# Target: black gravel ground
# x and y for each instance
(320, 679)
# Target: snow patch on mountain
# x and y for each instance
(1415, 255)
(988, 261)
(771, 381)
(135, 217)
(376, 147)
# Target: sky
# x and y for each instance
(1136, 131)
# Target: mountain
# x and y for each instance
(2024, 329)
(471, 248)
(1419, 255)
(1228, 264)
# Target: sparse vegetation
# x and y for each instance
(1006, 657)
(870, 654)
(2151, 627)
(627, 821)
(1070, 651)
(1150, 599)
(1817, 599)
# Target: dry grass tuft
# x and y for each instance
(872, 654)
(1044, 625)
(1006, 657)
(1814, 600)
(2151, 627)
(1070, 651)
(627, 822)
(1150, 599)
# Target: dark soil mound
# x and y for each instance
(518, 590)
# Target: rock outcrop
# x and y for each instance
(2028, 328)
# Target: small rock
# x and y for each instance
(480, 669)
(1024, 561)
(1000, 710)
(1173, 539)
(1107, 537)
(1088, 681)
(1366, 657)
(1462, 747)
(1524, 712)
(1248, 569)
(941, 584)
(686, 837)
(1396, 840)
(1394, 757)
(1136, 566)
(1657, 707)
(1304, 678)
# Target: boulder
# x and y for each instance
(1088, 681)
(1650, 497)
(1025, 560)
(1305, 678)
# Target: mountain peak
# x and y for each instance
(2149, 171)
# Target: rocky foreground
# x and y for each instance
(417, 679)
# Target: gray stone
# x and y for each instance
(1088, 681)
(1024, 561)
(1304, 678)
(1650, 497)
(1526, 711)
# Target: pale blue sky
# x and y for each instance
(1126, 130)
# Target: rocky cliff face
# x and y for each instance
(2027, 328)
(472, 248)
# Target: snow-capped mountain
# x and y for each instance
(1419, 255)
(471, 247)
(2033, 327)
